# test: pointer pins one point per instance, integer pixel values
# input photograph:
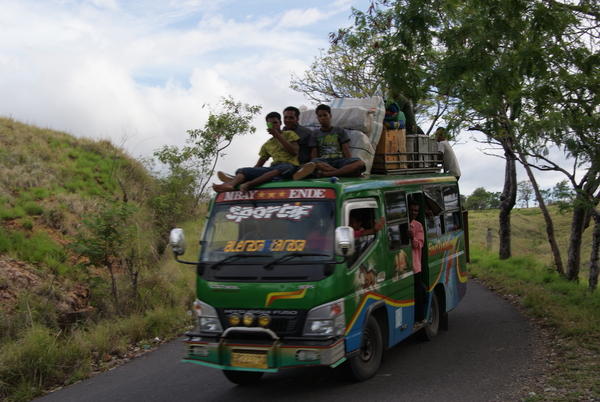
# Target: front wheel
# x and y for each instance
(366, 364)
(243, 377)
(433, 322)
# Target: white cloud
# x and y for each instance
(143, 70)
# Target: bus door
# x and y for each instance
(400, 281)
(444, 235)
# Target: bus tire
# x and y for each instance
(243, 377)
(366, 364)
(432, 325)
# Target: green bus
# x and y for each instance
(283, 282)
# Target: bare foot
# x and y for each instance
(244, 188)
(222, 188)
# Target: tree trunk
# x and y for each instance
(549, 224)
(574, 257)
(593, 282)
(114, 289)
(507, 200)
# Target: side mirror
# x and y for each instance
(344, 241)
(177, 242)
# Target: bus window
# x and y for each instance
(396, 212)
(452, 221)
(433, 223)
(452, 208)
(363, 218)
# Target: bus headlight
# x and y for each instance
(326, 320)
(208, 320)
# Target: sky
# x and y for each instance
(142, 73)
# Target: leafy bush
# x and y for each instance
(40, 193)
(27, 224)
(32, 209)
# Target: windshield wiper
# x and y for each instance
(292, 256)
(234, 258)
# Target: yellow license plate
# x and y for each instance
(249, 360)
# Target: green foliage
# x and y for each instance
(524, 73)
(13, 213)
(36, 363)
(106, 240)
(190, 168)
(32, 209)
(105, 234)
(481, 199)
(563, 196)
(40, 193)
(35, 247)
(27, 224)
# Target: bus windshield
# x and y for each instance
(270, 229)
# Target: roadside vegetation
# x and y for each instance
(568, 310)
(86, 280)
(83, 235)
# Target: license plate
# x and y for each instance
(249, 360)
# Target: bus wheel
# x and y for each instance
(433, 322)
(366, 364)
(243, 377)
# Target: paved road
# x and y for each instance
(487, 350)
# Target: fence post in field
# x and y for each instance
(488, 239)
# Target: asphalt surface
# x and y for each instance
(484, 355)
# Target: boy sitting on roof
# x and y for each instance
(329, 151)
(282, 147)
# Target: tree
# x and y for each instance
(343, 71)
(191, 167)
(467, 52)
(594, 254)
(525, 190)
(546, 195)
(352, 68)
(524, 73)
(563, 196)
(105, 240)
(482, 199)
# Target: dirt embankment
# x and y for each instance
(18, 278)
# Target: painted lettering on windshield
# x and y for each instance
(264, 245)
(294, 212)
(278, 194)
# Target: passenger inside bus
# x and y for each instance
(256, 230)
(321, 238)
(365, 227)
(357, 221)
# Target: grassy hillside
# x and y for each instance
(61, 317)
(529, 235)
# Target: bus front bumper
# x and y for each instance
(234, 351)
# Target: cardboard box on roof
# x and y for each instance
(390, 144)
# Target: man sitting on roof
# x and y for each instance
(330, 151)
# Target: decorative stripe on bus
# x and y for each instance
(271, 297)
(376, 297)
